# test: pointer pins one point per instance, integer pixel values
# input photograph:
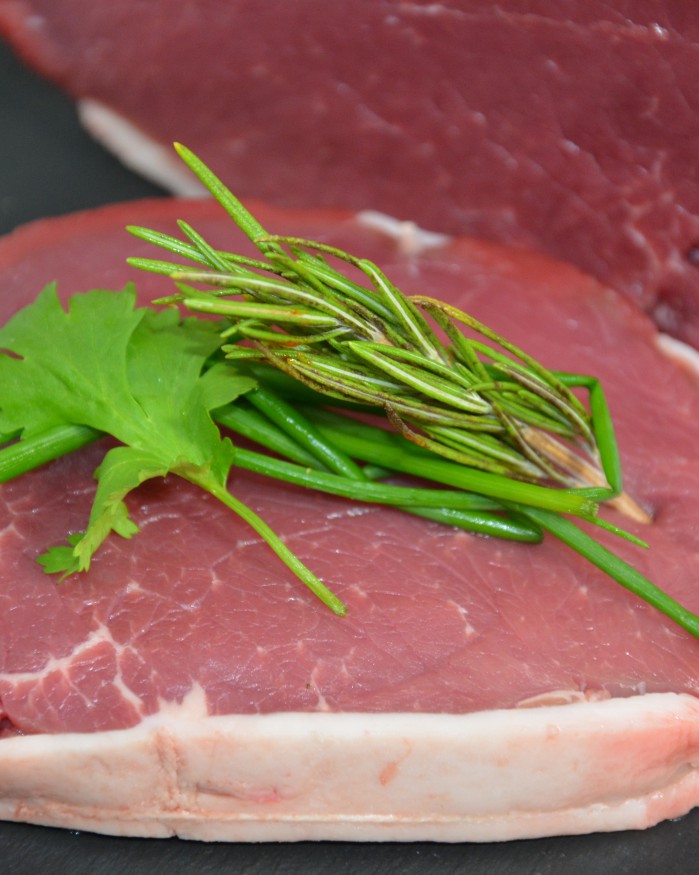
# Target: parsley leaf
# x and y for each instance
(134, 373)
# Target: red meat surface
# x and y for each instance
(568, 127)
(439, 620)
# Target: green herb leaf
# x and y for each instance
(61, 559)
(137, 375)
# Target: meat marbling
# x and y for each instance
(568, 127)
(478, 690)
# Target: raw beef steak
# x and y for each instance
(188, 684)
(566, 127)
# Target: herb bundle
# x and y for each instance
(302, 328)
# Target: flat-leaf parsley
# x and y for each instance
(145, 378)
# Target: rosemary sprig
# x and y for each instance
(475, 399)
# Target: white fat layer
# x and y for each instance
(137, 150)
(680, 352)
(409, 237)
(487, 776)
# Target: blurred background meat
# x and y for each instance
(568, 127)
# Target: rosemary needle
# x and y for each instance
(475, 399)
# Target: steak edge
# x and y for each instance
(488, 776)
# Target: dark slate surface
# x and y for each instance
(47, 167)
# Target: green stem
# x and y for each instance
(464, 510)
(506, 527)
(449, 508)
(300, 429)
(361, 490)
(29, 453)
(390, 450)
(256, 427)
